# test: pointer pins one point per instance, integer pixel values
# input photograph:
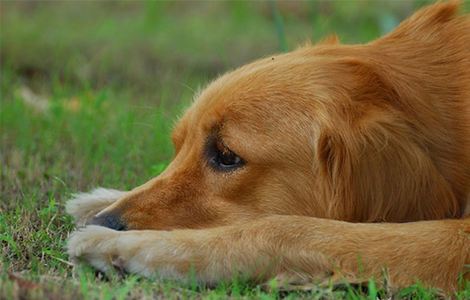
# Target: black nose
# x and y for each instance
(109, 220)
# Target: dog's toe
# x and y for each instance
(94, 244)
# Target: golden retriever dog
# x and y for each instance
(330, 163)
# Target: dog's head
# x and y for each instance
(321, 131)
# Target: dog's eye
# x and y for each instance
(224, 159)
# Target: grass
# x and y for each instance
(111, 78)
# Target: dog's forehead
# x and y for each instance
(281, 90)
(267, 85)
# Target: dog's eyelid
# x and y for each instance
(222, 145)
(224, 138)
(220, 156)
(226, 146)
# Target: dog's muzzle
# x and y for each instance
(109, 220)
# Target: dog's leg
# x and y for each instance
(433, 252)
(84, 206)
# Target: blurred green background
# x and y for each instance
(89, 93)
(109, 77)
(147, 45)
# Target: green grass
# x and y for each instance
(115, 77)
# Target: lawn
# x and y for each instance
(89, 94)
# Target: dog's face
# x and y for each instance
(329, 131)
(247, 146)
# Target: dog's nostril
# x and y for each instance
(109, 220)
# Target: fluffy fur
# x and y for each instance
(84, 206)
(333, 137)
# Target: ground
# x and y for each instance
(89, 93)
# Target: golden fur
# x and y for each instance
(332, 137)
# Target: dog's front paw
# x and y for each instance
(95, 245)
(147, 253)
(84, 206)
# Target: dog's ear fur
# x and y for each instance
(371, 171)
(381, 155)
(373, 161)
(428, 19)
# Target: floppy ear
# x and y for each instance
(428, 19)
(375, 165)
(376, 172)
